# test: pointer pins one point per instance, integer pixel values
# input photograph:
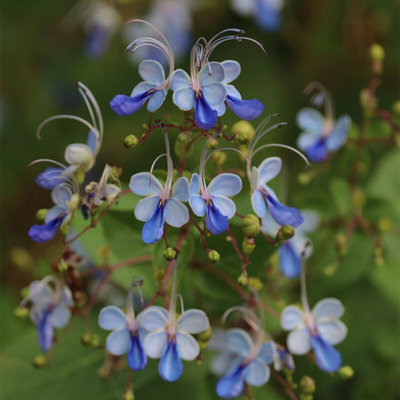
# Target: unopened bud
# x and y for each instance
(86, 339)
(39, 361)
(219, 157)
(213, 256)
(346, 372)
(128, 394)
(62, 265)
(376, 52)
(211, 143)
(206, 335)
(169, 254)
(304, 178)
(182, 137)
(384, 225)
(244, 130)
(358, 200)
(203, 344)
(251, 225)
(80, 176)
(116, 172)
(368, 101)
(95, 342)
(104, 251)
(159, 274)
(64, 229)
(256, 284)
(80, 299)
(285, 232)
(396, 108)
(341, 244)
(378, 254)
(131, 141)
(41, 214)
(307, 385)
(21, 312)
(243, 280)
(248, 245)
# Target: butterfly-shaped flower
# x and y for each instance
(319, 330)
(50, 309)
(213, 200)
(171, 339)
(290, 252)
(249, 365)
(244, 109)
(282, 358)
(264, 199)
(125, 337)
(65, 204)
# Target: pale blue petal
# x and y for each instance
(311, 221)
(326, 357)
(214, 93)
(188, 348)
(197, 204)
(141, 87)
(156, 100)
(154, 343)
(232, 70)
(225, 184)
(153, 318)
(310, 120)
(333, 332)
(53, 213)
(225, 205)
(66, 297)
(60, 195)
(267, 352)
(145, 208)
(211, 72)
(180, 190)
(339, 134)
(257, 373)
(176, 214)
(180, 79)
(119, 342)
(112, 317)
(193, 321)
(269, 169)
(328, 308)
(220, 109)
(60, 316)
(92, 141)
(299, 341)
(269, 226)
(152, 71)
(233, 92)
(184, 98)
(290, 259)
(239, 342)
(170, 366)
(40, 295)
(195, 184)
(292, 317)
(308, 139)
(143, 184)
(258, 203)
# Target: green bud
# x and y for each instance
(368, 101)
(95, 342)
(159, 274)
(384, 225)
(64, 229)
(306, 397)
(203, 344)
(80, 299)
(80, 176)
(358, 200)
(128, 394)
(248, 245)
(25, 292)
(242, 138)
(376, 52)
(62, 265)
(330, 269)
(169, 254)
(39, 361)
(41, 214)
(307, 385)
(86, 339)
(116, 172)
(251, 225)
(304, 178)
(206, 335)
(131, 141)
(256, 284)
(378, 254)
(182, 137)
(219, 157)
(244, 128)
(341, 244)
(180, 149)
(213, 256)
(243, 280)
(21, 312)
(396, 108)
(285, 232)
(212, 143)
(103, 372)
(346, 372)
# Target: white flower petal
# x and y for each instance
(176, 214)
(310, 120)
(145, 207)
(154, 343)
(332, 332)
(292, 317)
(197, 204)
(180, 190)
(153, 318)
(79, 154)
(119, 342)
(232, 70)
(60, 195)
(193, 321)
(188, 348)
(60, 316)
(143, 184)
(152, 71)
(214, 93)
(257, 373)
(156, 100)
(180, 79)
(327, 308)
(211, 72)
(184, 98)
(299, 342)
(225, 184)
(112, 317)
(238, 341)
(269, 169)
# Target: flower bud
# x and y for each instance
(251, 225)
(256, 284)
(80, 299)
(243, 131)
(376, 52)
(378, 254)
(80, 155)
(203, 345)
(159, 274)
(396, 108)
(285, 232)
(368, 101)
(358, 200)
(341, 244)
(169, 254)
(212, 143)
(248, 245)
(116, 172)
(62, 265)
(104, 252)
(307, 385)
(21, 312)
(213, 256)
(243, 280)
(182, 137)
(384, 225)
(206, 335)
(86, 339)
(64, 229)
(346, 372)
(73, 203)
(130, 141)
(39, 361)
(41, 214)
(219, 157)
(95, 340)
(304, 178)
(128, 394)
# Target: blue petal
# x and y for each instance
(195, 184)
(225, 205)
(232, 70)
(289, 260)
(211, 72)
(282, 214)
(156, 100)
(126, 105)
(145, 208)
(45, 331)
(310, 120)
(50, 178)
(152, 71)
(257, 373)
(176, 214)
(232, 385)
(153, 229)
(92, 141)
(112, 317)
(245, 109)
(46, 232)
(318, 152)
(180, 190)
(137, 358)
(215, 221)
(268, 15)
(170, 366)
(198, 204)
(225, 184)
(258, 203)
(339, 134)
(214, 93)
(180, 79)
(119, 342)
(143, 184)
(326, 356)
(205, 117)
(266, 353)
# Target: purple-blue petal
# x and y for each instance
(170, 366)
(283, 215)
(154, 227)
(268, 17)
(289, 260)
(137, 358)
(204, 116)
(318, 151)
(97, 40)
(45, 331)
(232, 385)
(326, 356)
(245, 109)
(216, 222)
(44, 233)
(127, 105)
(50, 178)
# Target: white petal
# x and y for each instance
(292, 317)
(307, 139)
(141, 87)
(60, 195)
(60, 316)
(53, 213)
(214, 93)
(156, 100)
(269, 169)
(119, 342)
(188, 348)
(180, 190)
(232, 91)
(180, 79)
(153, 318)
(332, 331)
(211, 72)
(154, 343)
(184, 98)
(327, 308)
(143, 184)
(299, 342)
(238, 341)
(197, 204)
(79, 154)
(225, 184)
(232, 70)
(269, 226)
(311, 221)
(40, 295)
(176, 214)
(112, 317)
(152, 71)
(310, 120)
(225, 205)
(257, 373)
(193, 321)
(145, 207)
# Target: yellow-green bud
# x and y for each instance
(86, 339)
(213, 256)
(211, 143)
(206, 335)
(242, 138)
(243, 127)
(219, 157)
(248, 245)
(251, 225)
(169, 254)
(256, 284)
(104, 251)
(307, 385)
(396, 108)
(128, 394)
(103, 372)
(378, 253)
(384, 225)
(358, 200)
(304, 178)
(131, 141)
(21, 312)
(341, 244)
(159, 274)
(80, 176)
(203, 344)
(330, 269)
(182, 137)
(243, 280)
(25, 292)
(368, 101)
(62, 265)
(95, 342)
(64, 229)
(41, 214)
(346, 372)
(39, 361)
(80, 299)
(376, 52)
(285, 232)
(306, 396)
(116, 172)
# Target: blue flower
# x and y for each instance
(50, 309)
(250, 364)
(319, 330)
(290, 253)
(152, 90)
(51, 177)
(213, 200)
(171, 339)
(321, 135)
(282, 358)
(264, 199)
(59, 215)
(125, 337)
(160, 205)
(202, 91)
(244, 109)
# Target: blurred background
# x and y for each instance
(46, 46)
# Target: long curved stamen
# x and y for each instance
(130, 303)
(285, 147)
(202, 168)
(260, 128)
(154, 163)
(41, 285)
(227, 148)
(304, 299)
(262, 133)
(170, 166)
(326, 98)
